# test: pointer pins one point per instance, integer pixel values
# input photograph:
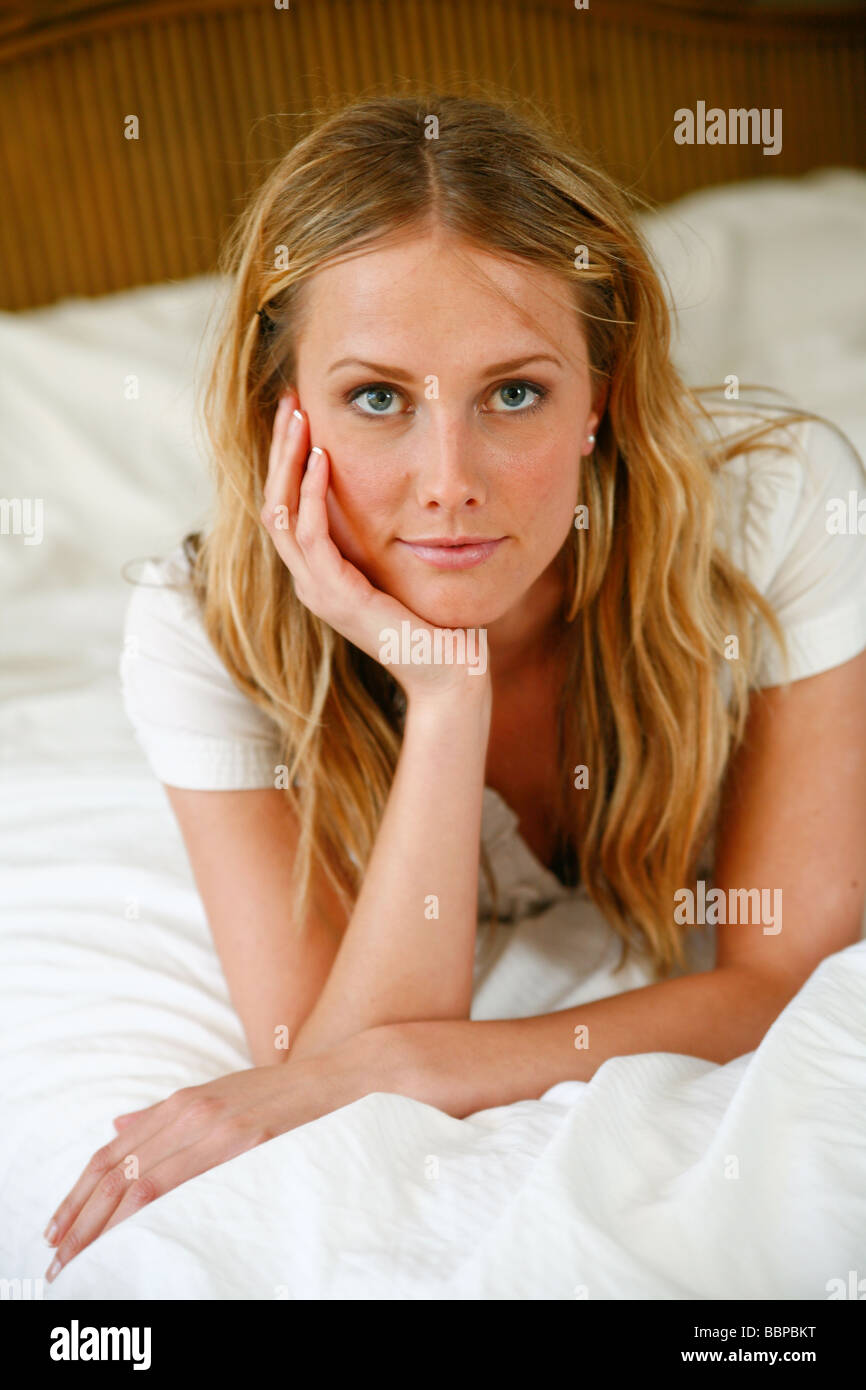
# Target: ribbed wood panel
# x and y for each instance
(87, 211)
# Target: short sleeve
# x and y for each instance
(792, 524)
(196, 727)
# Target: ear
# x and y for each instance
(599, 406)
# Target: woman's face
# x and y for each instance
(447, 415)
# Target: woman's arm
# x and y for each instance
(241, 845)
(464, 1065)
(793, 822)
(409, 949)
(793, 819)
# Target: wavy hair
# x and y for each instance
(651, 600)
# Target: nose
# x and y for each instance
(446, 472)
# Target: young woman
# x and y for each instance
(442, 405)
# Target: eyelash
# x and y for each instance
(351, 396)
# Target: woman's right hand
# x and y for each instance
(295, 517)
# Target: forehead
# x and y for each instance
(434, 291)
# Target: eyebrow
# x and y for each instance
(398, 374)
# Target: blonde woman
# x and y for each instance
(442, 406)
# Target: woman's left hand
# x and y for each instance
(164, 1145)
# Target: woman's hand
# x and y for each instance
(295, 517)
(195, 1129)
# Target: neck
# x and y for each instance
(529, 635)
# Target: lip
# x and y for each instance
(457, 554)
(452, 540)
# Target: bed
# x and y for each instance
(666, 1176)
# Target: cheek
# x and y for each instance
(543, 491)
(360, 507)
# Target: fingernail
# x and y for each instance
(51, 1232)
(53, 1270)
(298, 416)
(315, 457)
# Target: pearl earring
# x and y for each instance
(590, 439)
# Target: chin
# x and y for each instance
(457, 611)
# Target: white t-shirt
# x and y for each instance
(785, 519)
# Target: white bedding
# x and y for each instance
(664, 1177)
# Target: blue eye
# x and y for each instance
(377, 393)
(380, 397)
(521, 388)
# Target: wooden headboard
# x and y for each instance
(222, 87)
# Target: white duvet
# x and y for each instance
(665, 1177)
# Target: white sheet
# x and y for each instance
(111, 992)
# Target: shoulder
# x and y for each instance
(163, 622)
(788, 516)
(757, 491)
(161, 596)
(197, 728)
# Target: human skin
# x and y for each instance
(474, 460)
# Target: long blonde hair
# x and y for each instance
(652, 598)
